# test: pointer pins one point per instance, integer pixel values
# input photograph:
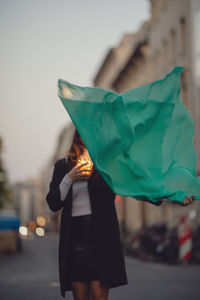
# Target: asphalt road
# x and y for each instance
(33, 275)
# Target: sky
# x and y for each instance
(42, 41)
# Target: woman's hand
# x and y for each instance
(188, 200)
(78, 174)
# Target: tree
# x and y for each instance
(5, 192)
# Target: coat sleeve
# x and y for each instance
(53, 197)
(65, 186)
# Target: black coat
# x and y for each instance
(109, 250)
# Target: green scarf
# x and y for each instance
(140, 141)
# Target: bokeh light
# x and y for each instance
(39, 231)
(32, 225)
(41, 221)
(23, 230)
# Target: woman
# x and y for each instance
(90, 253)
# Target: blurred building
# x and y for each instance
(114, 62)
(27, 197)
(195, 16)
(168, 39)
(137, 68)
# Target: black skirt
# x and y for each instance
(83, 258)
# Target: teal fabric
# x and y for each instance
(140, 141)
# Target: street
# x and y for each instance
(33, 275)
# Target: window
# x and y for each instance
(165, 54)
(164, 4)
(173, 45)
(155, 10)
(182, 35)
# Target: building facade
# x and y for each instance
(28, 204)
(195, 16)
(168, 39)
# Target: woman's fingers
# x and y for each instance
(188, 200)
(84, 170)
(80, 166)
(82, 177)
(77, 173)
(80, 174)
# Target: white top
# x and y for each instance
(81, 201)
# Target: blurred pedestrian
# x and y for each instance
(91, 259)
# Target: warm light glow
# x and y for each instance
(32, 225)
(85, 158)
(23, 230)
(41, 221)
(39, 231)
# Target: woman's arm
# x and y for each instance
(60, 185)
(64, 186)
(188, 200)
(53, 197)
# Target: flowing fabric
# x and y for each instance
(140, 141)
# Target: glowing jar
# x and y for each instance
(85, 158)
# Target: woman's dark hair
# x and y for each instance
(76, 148)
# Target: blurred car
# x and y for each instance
(10, 241)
